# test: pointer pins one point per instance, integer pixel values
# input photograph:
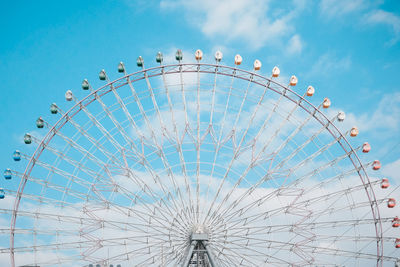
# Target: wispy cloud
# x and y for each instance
(386, 18)
(392, 170)
(333, 8)
(330, 63)
(367, 12)
(251, 21)
(384, 120)
(295, 45)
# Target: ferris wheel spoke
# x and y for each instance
(78, 165)
(292, 134)
(73, 178)
(179, 149)
(186, 132)
(344, 232)
(210, 127)
(278, 130)
(263, 127)
(142, 215)
(249, 256)
(101, 128)
(27, 231)
(284, 245)
(219, 139)
(251, 163)
(156, 107)
(134, 148)
(77, 147)
(93, 141)
(153, 137)
(229, 257)
(59, 260)
(56, 187)
(156, 198)
(89, 186)
(93, 244)
(160, 149)
(144, 250)
(290, 185)
(302, 146)
(305, 203)
(316, 214)
(300, 232)
(178, 145)
(236, 149)
(88, 221)
(241, 220)
(274, 228)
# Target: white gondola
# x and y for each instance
(198, 55)
(68, 95)
(257, 64)
(275, 72)
(341, 116)
(218, 56)
(238, 60)
(310, 91)
(293, 81)
(326, 103)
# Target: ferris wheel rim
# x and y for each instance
(196, 68)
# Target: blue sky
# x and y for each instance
(348, 50)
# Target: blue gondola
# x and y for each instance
(102, 75)
(7, 174)
(139, 62)
(121, 67)
(27, 138)
(17, 155)
(85, 84)
(39, 122)
(53, 108)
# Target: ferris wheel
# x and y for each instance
(195, 164)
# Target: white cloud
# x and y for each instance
(387, 18)
(295, 45)
(385, 119)
(367, 11)
(392, 170)
(332, 8)
(330, 63)
(251, 21)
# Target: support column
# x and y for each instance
(199, 240)
(209, 254)
(190, 253)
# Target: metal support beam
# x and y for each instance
(199, 240)
(190, 253)
(209, 254)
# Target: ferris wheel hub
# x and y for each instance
(199, 237)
